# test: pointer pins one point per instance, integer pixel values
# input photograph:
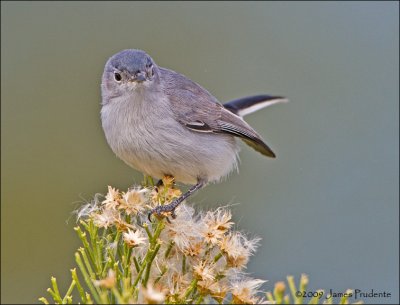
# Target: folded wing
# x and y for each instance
(196, 109)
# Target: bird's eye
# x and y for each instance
(117, 76)
(150, 69)
(151, 72)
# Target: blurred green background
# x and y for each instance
(327, 206)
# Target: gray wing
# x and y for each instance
(201, 112)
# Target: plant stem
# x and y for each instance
(171, 244)
(43, 300)
(82, 236)
(136, 264)
(345, 296)
(142, 268)
(154, 253)
(293, 289)
(87, 263)
(183, 265)
(86, 277)
(55, 290)
(56, 298)
(199, 300)
(146, 227)
(153, 245)
(192, 286)
(217, 257)
(69, 291)
(78, 285)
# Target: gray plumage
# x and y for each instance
(160, 122)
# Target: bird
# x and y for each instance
(160, 123)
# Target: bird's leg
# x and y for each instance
(170, 208)
(159, 183)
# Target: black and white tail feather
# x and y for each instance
(246, 105)
(249, 104)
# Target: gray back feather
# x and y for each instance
(195, 108)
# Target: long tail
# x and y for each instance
(246, 105)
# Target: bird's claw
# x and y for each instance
(173, 215)
(160, 211)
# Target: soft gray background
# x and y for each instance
(327, 206)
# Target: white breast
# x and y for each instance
(145, 135)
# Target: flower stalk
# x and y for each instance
(196, 258)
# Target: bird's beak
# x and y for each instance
(140, 77)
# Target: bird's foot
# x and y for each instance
(164, 210)
(169, 209)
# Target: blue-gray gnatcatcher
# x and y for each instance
(162, 123)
